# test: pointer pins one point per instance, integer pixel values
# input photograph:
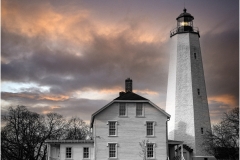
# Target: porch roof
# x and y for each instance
(175, 142)
(69, 141)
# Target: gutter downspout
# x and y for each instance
(168, 118)
(95, 147)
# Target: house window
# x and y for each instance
(139, 109)
(150, 150)
(85, 152)
(122, 109)
(112, 150)
(68, 152)
(112, 128)
(150, 128)
(198, 90)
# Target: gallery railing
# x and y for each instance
(181, 30)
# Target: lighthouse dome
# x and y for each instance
(185, 14)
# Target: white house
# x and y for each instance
(118, 129)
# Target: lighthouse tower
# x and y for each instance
(186, 94)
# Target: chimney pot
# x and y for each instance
(121, 93)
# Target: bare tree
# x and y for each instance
(143, 152)
(55, 126)
(223, 141)
(77, 129)
(23, 136)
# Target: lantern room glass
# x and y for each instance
(185, 24)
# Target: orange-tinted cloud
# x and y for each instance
(49, 109)
(226, 99)
(44, 21)
(147, 91)
(53, 97)
(221, 104)
(36, 96)
(76, 27)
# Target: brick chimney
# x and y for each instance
(128, 85)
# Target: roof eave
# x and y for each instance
(98, 111)
(160, 109)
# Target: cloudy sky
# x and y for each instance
(72, 57)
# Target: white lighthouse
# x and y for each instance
(186, 94)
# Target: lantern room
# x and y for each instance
(184, 24)
(185, 21)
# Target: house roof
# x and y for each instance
(130, 96)
(127, 97)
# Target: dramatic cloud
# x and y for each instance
(73, 57)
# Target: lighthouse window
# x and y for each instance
(198, 90)
(195, 55)
(201, 130)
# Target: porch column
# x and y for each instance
(182, 151)
(177, 150)
(48, 151)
